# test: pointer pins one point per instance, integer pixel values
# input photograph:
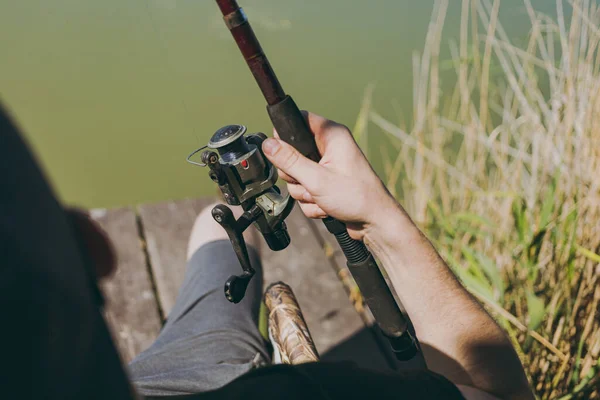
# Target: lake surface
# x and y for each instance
(114, 94)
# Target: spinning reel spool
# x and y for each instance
(246, 178)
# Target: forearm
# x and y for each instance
(449, 322)
(447, 319)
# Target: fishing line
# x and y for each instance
(170, 70)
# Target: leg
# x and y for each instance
(206, 341)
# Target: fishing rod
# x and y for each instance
(246, 177)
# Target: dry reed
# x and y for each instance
(503, 174)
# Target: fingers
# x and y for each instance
(312, 211)
(316, 122)
(292, 163)
(324, 130)
(307, 204)
(299, 193)
(286, 177)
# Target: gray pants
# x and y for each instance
(207, 341)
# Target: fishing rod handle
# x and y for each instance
(292, 127)
(375, 291)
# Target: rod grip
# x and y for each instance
(381, 302)
(293, 128)
(375, 291)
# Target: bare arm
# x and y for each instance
(448, 321)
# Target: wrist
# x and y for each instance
(391, 230)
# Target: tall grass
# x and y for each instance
(503, 173)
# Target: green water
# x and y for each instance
(113, 94)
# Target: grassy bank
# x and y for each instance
(503, 173)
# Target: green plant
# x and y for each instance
(502, 174)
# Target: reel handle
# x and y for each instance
(236, 285)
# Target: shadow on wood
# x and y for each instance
(131, 306)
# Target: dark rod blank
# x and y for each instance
(252, 51)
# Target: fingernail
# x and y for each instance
(270, 146)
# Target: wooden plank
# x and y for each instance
(330, 317)
(167, 227)
(131, 307)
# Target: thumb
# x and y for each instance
(290, 161)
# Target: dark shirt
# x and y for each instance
(331, 381)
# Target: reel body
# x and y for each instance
(246, 178)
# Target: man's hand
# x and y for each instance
(342, 185)
(447, 319)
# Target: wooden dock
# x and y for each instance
(151, 241)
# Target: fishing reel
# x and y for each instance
(246, 178)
